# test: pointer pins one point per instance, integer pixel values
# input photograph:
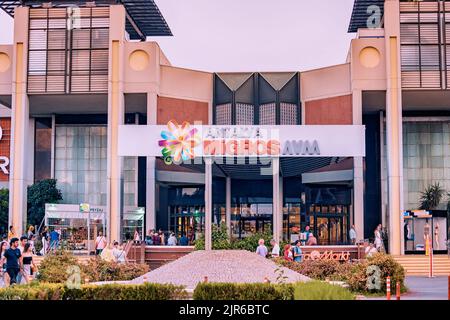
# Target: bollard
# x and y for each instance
(430, 246)
(398, 291)
(205, 279)
(388, 288)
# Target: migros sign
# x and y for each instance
(180, 143)
(176, 142)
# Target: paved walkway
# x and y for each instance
(423, 288)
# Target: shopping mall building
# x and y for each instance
(95, 106)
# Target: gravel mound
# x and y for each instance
(219, 266)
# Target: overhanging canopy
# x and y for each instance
(143, 16)
(360, 13)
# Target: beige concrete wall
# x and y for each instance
(325, 82)
(6, 67)
(368, 64)
(186, 84)
(141, 67)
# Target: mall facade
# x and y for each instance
(87, 93)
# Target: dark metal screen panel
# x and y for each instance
(267, 114)
(223, 114)
(266, 99)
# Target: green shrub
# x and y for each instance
(146, 291)
(315, 269)
(385, 266)
(317, 290)
(357, 275)
(221, 240)
(54, 268)
(97, 269)
(250, 243)
(247, 291)
(219, 236)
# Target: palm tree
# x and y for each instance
(431, 197)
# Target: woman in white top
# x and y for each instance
(378, 240)
(137, 237)
(100, 243)
(119, 253)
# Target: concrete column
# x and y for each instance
(277, 212)
(208, 204)
(383, 175)
(116, 106)
(394, 126)
(280, 206)
(19, 125)
(150, 210)
(228, 204)
(358, 171)
(358, 196)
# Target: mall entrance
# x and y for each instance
(330, 224)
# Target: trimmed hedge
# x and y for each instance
(317, 290)
(246, 291)
(146, 291)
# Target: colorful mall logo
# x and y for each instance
(179, 142)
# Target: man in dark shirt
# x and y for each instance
(13, 260)
(184, 241)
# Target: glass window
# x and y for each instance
(43, 149)
(80, 164)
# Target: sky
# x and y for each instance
(249, 35)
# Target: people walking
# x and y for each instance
(261, 249)
(28, 264)
(287, 253)
(378, 242)
(13, 259)
(184, 241)
(119, 253)
(100, 243)
(371, 250)
(107, 253)
(22, 243)
(11, 233)
(54, 240)
(3, 275)
(162, 237)
(298, 253)
(352, 234)
(30, 232)
(137, 237)
(172, 241)
(312, 241)
(45, 241)
(275, 249)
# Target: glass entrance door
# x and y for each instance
(187, 220)
(329, 230)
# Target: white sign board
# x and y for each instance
(187, 142)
